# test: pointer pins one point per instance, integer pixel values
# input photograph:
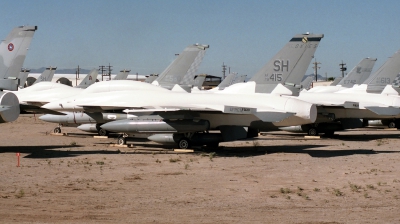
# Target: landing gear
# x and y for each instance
(103, 132)
(184, 143)
(392, 124)
(313, 131)
(57, 130)
(121, 140)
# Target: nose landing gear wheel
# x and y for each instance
(121, 140)
(57, 130)
(392, 124)
(312, 132)
(184, 143)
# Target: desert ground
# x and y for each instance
(279, 177)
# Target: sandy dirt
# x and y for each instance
(279, 177)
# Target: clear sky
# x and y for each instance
(144, 35)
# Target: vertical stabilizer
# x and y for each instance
(47, 75)
(359, 73)
(13, 50)
(239, 79)
(23, 75)
(89, 79)
(385, 75)
(227, 81)
(289, 65)
(122, 75)
(199, 80)
(182, 70)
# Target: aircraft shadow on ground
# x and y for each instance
(52, 151)
(299, 149)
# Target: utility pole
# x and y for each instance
(342, 68)
(223, 70)
(76, 76)
(105, 71)
(316, 69)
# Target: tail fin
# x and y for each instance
(199, 80)
(23, 75)
(289, 65)
(306, 83)
(336, 81)
(89, 79)
(239, 79)
(122, 75)
(47, 75)
(227, 81)
(182, 70)
(151, 78)
(13, 50)
(385, 75)
(359, 73)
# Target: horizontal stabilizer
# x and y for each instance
(388, 111)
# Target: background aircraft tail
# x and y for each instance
(47, 75)
(89, 79)
(183, 69)
(289, 65)
(122, 75)
(385, 75)
(359, 73)
(13, 51)
(23, 75)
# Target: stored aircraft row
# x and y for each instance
(172, 110)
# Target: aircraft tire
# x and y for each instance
(121, 140)
(103, 132)
(392, 124)
(312, 132)
(184, 143)
(57, 130)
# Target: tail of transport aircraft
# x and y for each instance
(47, 75)
(89, 79)
(289, 65)
(183, 69)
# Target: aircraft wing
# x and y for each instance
(264, 114)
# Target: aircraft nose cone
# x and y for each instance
(116, 126)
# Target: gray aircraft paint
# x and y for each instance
(47, 75)
(359, 73)
(183, 68)
(289, 65)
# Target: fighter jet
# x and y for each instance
(358, 75)
(13, 51)
(178, 76)
(232, 110)
(376, 98)
(46, 76)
